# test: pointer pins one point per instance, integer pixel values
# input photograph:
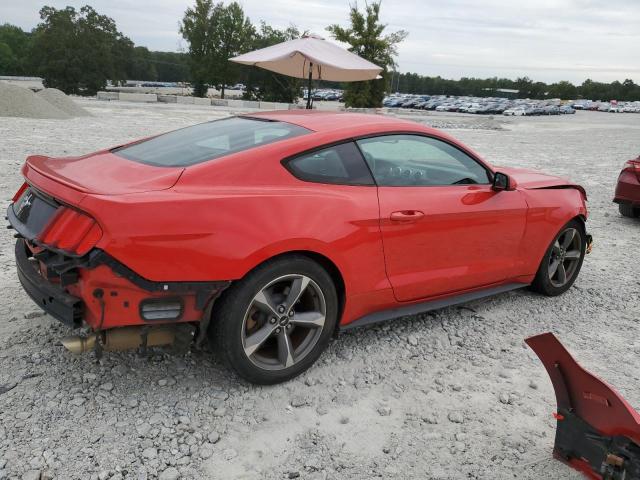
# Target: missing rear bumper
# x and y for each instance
(51, 298)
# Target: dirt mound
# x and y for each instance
(21, 102)
(61, 101)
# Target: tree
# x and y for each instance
(215, 33)
(265, 85)
(365, 35)
(14, 44)
(78, 51)
(197, 29)
(139, 65)
(524, 86)
(232, 35)
(564, 90)
(171, 66)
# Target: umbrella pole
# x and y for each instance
(309, 86)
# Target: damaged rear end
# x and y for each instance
(64, 267)
(598, 432)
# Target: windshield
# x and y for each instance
(208, 141)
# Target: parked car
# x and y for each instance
(627, 194)
(518, 111)
(268, 232)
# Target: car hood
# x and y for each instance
(103, 173)
(531, 180)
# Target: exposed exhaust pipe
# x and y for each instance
(125, 338)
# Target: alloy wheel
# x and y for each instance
(283, 322)
(565, 257)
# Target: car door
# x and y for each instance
(443, 227)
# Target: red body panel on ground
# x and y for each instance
(218, 220)
(596, 406)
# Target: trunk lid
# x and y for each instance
(103, 173)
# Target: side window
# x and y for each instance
(340, 164)
(413, 160)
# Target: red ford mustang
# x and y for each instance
(268, 232)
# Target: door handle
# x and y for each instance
(406, 216)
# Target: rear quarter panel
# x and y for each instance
(221, 233)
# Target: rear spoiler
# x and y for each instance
(598, 432)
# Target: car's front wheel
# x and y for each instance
(627, 210)
(562, 262)
(274, 323)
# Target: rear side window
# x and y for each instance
(339, 164)
(208, 141)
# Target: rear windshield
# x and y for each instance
(208, 141)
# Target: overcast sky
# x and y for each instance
(547, 40)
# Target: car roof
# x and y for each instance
(323, 121)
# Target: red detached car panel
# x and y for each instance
(598, 432)
(402, 217)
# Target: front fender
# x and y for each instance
(548, 211)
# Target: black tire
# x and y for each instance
(227, 332)
(627, 210)
(543, 283)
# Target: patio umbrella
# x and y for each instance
(314, 58)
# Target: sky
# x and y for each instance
(546, 40)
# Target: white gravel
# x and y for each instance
(451, 394)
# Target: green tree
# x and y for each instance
(171, 66)
(140, 66)
(564, 90)
(232, 34)
(367, 39)
(215, 33)
(78, 51)
(524, 86)
(265, 85)
(197, 30)
(14, 45)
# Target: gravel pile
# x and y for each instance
(17, 101)
(61, 101)
(453, 394)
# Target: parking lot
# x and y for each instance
(452, 394)
(506, 106)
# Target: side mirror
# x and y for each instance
(501, 181)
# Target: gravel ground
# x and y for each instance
(447, 395)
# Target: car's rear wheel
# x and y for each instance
(562, 262)
(273, 324)
(627, 210)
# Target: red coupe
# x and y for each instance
(628, 189)
(269, 232)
